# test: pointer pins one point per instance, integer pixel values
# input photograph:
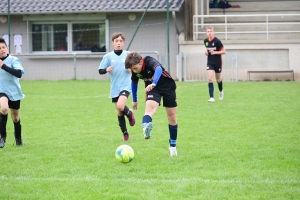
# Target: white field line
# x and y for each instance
(65, 97)
(137, 180)
(89, 97)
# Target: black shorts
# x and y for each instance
(122, 93)
(12, 104)
(168, 94)
(216, 68)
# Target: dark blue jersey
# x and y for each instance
(147, 73)
(216, 45)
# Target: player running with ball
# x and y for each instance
(159, 84)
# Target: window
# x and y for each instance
(88, 37)
(54, 37)
(49, 37)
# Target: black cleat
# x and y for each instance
(18, 140)
(2, 142)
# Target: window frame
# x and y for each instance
(69, 19)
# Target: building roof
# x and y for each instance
(85, 6)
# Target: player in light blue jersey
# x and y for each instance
(10, 93)
(120, 86)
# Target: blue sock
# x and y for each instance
(147, 119)
(211, 89)
(173, 135)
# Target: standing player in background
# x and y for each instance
(159, 84)
(120, 86)
(214, 50)
(10, 93)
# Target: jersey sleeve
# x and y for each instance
(219, 45)
(134, 77)
(105, 62)
(17, 65)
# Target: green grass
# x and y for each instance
(244, 147)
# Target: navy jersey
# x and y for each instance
(147, 73)
(216, 45)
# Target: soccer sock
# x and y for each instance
(3, 122)
(17, 126)
(220, 85)
(126, 111)
(173, 135)
(122, 124)
(211, 89)
(147, 119)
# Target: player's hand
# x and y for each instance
(134, 105)
(129, 70)
(110, 68)
(206, 52)
(150, 87)
(212, 52)
(1, 63)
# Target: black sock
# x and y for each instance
(3, 122)
(125, 111)
(17, 126)
(173, 135)
(211, 89)
(220, 85)
(122, 124)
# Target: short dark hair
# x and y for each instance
(132, 58)
(116, 35)
(2, 41)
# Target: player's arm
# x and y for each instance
(156, 77)
(220, 48)
(134, 87)
(103, 69)
(15, 72)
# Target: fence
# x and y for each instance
(80, 66)
(192, 67)
(255, 26)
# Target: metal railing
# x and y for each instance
(265, 24)
(192, 67)
(65, 66)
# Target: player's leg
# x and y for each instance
(220, 85)
(3, 118)
(170, 104)
(15, 115)
(121, 120)
(210, 77)
(121, 107)
(151, 107)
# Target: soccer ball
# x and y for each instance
(124, 153)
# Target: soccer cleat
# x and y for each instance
(221, 95)
(211, 100)
(147, 127)
(2, 142)
(131, 117)
(19, 141)
(126, 137)
(173, 151)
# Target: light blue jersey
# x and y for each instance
(120, 77)
(10, 84)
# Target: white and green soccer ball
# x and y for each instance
(124, 153)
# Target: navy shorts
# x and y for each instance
(217, 69)
(12, 104)
(122, 93)
(167, 94)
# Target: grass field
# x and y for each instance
(244, 147)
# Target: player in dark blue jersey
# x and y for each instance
(158, 84)
(214, 50)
